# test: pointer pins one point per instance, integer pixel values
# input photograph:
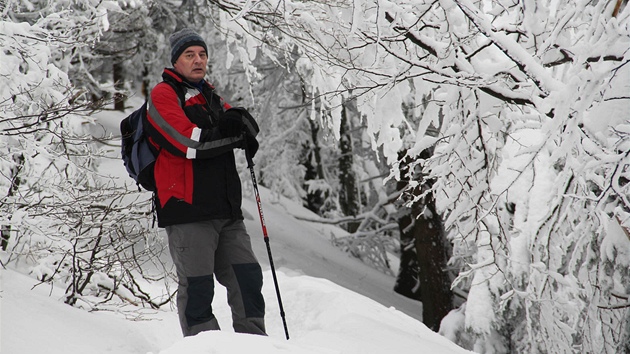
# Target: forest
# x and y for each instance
(483, 143)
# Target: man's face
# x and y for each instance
(192, 63)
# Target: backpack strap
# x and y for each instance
(181, 94)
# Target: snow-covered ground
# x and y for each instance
(333, 303)
(322, 318)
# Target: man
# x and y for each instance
(198, 199)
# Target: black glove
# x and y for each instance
(249, 123)
(251, 145)
(231, 123)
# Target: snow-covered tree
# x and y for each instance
(531, 163)
(523, 106)
(62, 221)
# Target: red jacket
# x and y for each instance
(195, 171)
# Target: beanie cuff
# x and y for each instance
(175, 55)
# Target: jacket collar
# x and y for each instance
(171, 75)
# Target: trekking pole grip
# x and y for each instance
(248, 154)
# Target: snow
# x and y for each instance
(521, 284)
(333, 303)
(322, 317)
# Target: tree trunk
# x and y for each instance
(313, 164)
(407, 280)
(437, 298)
(423, 225)
(348, 191)
(146, 83)
(119, 85)
(5, 230)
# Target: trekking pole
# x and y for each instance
(250, 165)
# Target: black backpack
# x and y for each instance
(138, 153)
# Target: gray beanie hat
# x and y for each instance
(183, 39)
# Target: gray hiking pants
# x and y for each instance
(221, 248)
